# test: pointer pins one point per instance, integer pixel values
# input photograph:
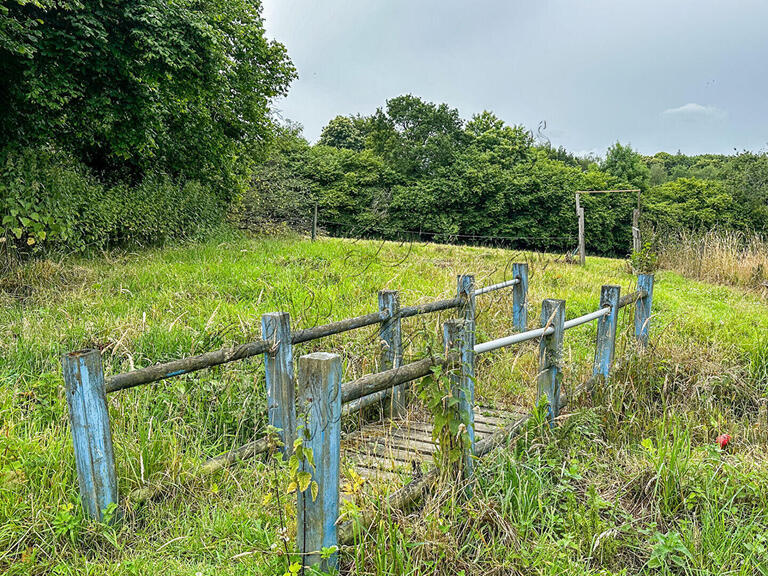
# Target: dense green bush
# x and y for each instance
(50, 201)
(130, 120)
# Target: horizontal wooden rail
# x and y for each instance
(224, 355)
(632, 297)
(408, 311)
(376, 382)
(185, 365)
(243, 452)
(325, 330)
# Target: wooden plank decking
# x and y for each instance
(393, 451)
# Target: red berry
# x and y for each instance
(723, 440)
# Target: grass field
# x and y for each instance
(630, 482)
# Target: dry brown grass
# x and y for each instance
(734, 258)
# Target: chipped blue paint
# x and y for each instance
(551, 356)
(643, 308)
(278, 370)
(465, 289)
(391, 341)
(520, 297)
(91, 435)
(457, 335)
(320, 399)
(606, 331)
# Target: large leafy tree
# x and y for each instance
(626, 166)
(130, 86)
(345, 132)
(415, 137)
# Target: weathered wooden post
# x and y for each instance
(550, 374)
(582, 245)
(606, 331)
(91, 435)
(637, 244)
(520, 296)
(278, 368)
(458, 339)
(320, 398)
(643, 308)
(390, 338)
(466, 292)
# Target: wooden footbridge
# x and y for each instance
(396, 451)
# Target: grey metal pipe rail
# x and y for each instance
(539, 332)
(513, 339)
(587, 318)
(499, 286)
(379, 382)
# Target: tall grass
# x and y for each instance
(724, 257)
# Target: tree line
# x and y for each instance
(139, 121)
(417, 169)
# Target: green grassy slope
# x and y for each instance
(630, 481)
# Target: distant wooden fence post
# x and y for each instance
(606, 331)
(320, 398)
(91, 435)
(637, 244)
(550, 374)
(278, 367)
(457, 337)
(582, 245)
(520, 297)
(643, 308)
(390, 337)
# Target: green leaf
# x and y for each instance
(304, 478)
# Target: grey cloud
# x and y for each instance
(596, 71)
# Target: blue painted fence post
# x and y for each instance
(390, 337)
(91, 435)
(520, 297)
(278, 368)
(606, 331)
(643, 308)
(550, 376)
(465, 290)
(457, 338)
(320, 399)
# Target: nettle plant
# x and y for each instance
(299, 480)
(451, 424)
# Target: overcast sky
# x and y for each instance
(659, 74)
